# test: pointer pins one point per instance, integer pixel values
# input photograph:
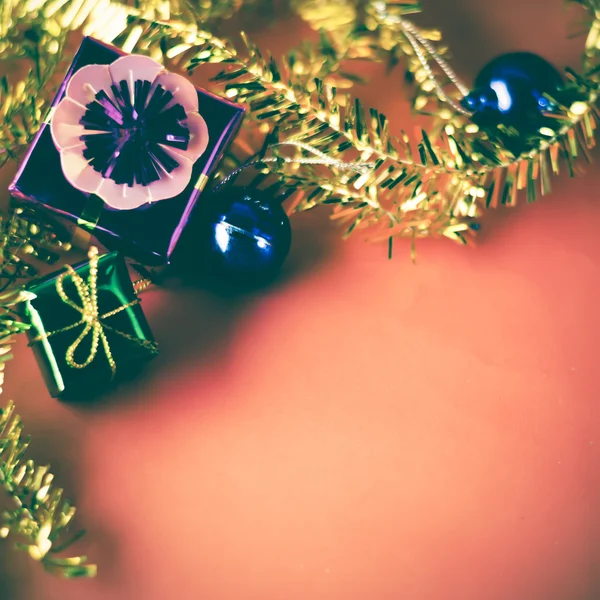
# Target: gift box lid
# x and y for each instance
(150, 233)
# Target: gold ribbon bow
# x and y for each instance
(91, 319)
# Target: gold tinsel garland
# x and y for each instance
(433, 184)
(40, 517)
(496, 174)
(401, 196)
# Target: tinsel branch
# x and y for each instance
(487, 158)
(338, 17)
(41, 517)
(397, 197)
(26, 242)
(344, 35)
(456, 170)
(326, 59)
(21, 111)
(430, 184)
(592, 44)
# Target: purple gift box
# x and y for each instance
(139, 139)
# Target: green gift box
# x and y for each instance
(87, 328)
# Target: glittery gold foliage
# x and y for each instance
(38, 517)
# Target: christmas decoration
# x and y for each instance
(87, 326)
(437, 185)
(101, 151)
(243, 234)
(500, 162)
(39, 517)
(514, 90)
(374, 176)
(24, 238)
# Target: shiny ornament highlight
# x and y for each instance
(246, 234)
(511, 90)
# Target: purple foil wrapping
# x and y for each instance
(148, 234)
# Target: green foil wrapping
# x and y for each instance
(127, 331)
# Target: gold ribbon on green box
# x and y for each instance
(94, 324)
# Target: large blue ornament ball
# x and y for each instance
(245, 235)
(510, 91)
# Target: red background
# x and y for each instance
(364, 429)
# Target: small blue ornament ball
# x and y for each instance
(245, 235)
(510, 91)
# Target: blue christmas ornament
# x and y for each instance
(510, 91)
(245, 235)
